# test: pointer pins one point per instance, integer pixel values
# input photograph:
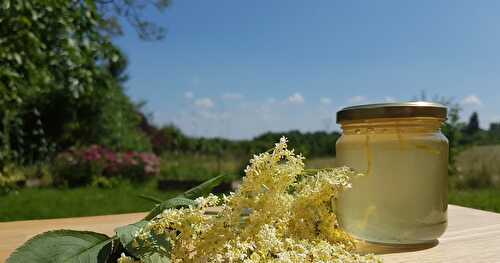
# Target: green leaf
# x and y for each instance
(175, 202)
(155, 258)
(6, 4)
(150, 198)
(18, 59)
(115, 57)
(64, 246)
(127, 234)
(204, 188)
(185, 199)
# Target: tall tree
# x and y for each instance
(473, 124)
(60, 72)
(132, 12)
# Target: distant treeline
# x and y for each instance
(171, 139)
(470, 133)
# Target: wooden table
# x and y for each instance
(472, 235)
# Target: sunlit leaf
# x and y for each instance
(64, 246)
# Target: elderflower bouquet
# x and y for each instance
(280, 213)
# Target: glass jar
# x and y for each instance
(402, 196)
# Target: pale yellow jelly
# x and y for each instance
(402, 198)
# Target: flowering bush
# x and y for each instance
(82, 166)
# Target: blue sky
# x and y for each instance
(239, 68)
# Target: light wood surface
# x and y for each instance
(472, 236)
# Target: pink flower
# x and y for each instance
(128, 163)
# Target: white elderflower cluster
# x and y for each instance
(281, 213)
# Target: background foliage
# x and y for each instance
(61, 81)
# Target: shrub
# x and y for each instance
(134, 165)
(10, 179)
(83, 166)
(103, 182)
(37, 174)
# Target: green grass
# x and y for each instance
(477, 180)
(484, 199)
(189, 167)
(33, 203)
(40, 203)
(224, 164)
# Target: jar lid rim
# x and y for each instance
(392, 110)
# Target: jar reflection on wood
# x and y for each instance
(402, 198)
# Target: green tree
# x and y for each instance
(169, 138)
(495, 127)
(47, 46)
(452, 129)
(132, 12)
(473, 124)
(493, 133)
(60, 76)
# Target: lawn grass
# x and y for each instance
(41, 203)
(484, 199)
(199, 168)
(224, 164)
(33, 203)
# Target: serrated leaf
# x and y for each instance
(64, 246)
(127, 233)
(204, 188)
(170, 203)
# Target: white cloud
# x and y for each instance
(188, 95)
(296, 98)
(232, 96)
(325, 100)
(471, 100)
(204, 103)
(356, 99)
(389, 99)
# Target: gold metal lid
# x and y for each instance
(392, 110)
